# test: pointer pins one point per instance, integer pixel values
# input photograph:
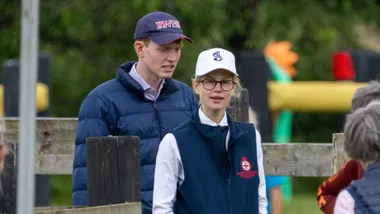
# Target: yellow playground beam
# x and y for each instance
(42, 98)
(312, 96)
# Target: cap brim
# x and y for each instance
(167, 38)
(218, 68)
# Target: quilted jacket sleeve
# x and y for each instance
(194, 100)
(92, 121)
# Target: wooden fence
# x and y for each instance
(55, 148)
(55, 151)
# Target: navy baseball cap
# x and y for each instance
(162, 28)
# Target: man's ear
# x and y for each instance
(139, 48)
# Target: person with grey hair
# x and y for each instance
(362, 143)
(352, 170)
(364, 95)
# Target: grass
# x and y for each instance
(303, 201)
(301, 204)
(61, 190)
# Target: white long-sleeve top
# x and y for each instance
(344, 204)
(169, 171)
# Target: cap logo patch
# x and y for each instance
(167, 24)
(217, 56)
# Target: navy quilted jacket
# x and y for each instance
(118, 107)
(366, 191)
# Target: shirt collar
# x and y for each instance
(136, 76)
(207, 121)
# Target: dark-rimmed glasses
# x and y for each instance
(210, 84)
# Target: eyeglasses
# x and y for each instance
(226, 85)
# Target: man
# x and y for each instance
(142, 100)
(352, 170)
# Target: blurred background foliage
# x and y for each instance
(89, 39)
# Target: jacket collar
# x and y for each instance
(128, 82)
(372, 168)
(212, 133)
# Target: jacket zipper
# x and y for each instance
(229, 183)
(157, 119)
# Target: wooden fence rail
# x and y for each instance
(55, 148)
(122, 208)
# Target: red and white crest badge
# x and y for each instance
(246, 166)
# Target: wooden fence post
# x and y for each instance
(11, 82)
(239, 106)
(113, 170)
(339, 155)
(8, 180)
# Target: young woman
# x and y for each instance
(211, 164)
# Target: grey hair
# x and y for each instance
(362, 133)
(364, 95)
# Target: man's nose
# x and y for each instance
(173, 56)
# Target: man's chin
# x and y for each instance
(166, 75)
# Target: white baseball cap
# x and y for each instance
(213, 59)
